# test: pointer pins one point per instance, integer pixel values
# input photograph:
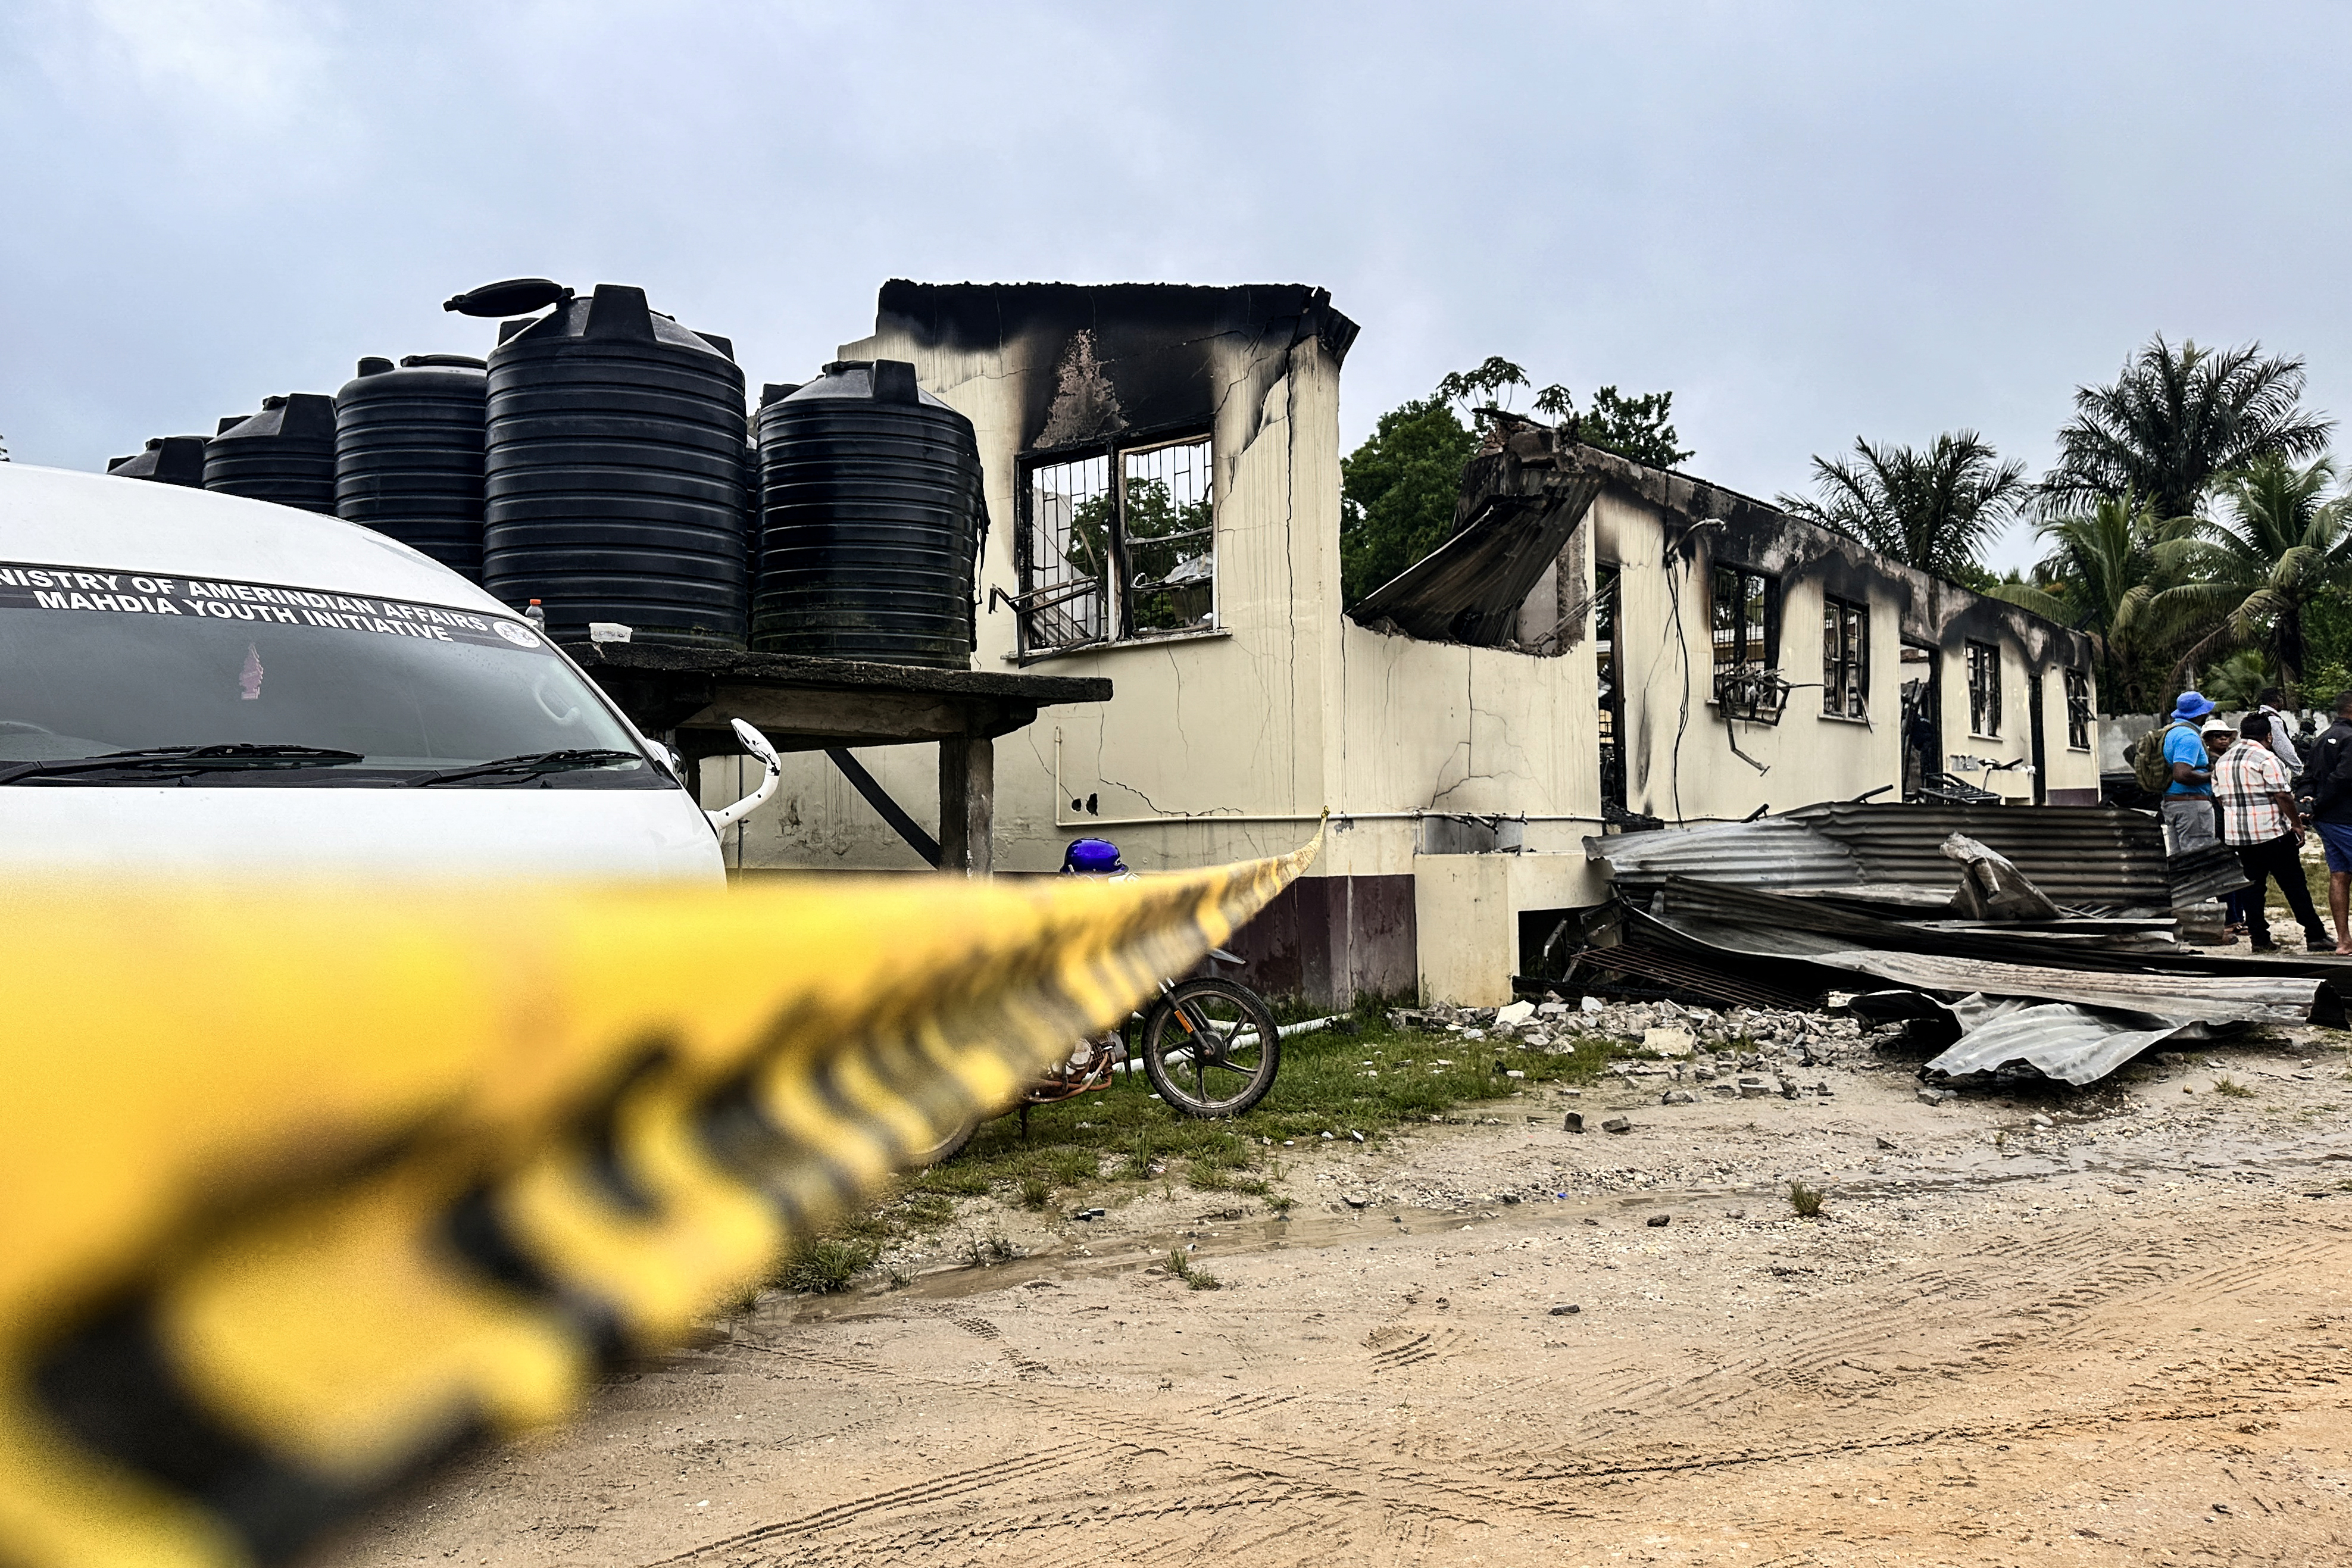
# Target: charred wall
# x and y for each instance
(1123, 359)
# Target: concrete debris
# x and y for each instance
(1574, 1122)
(1515, 1015)
(1658, 1220)
(1617, 1124)
(2060, 941)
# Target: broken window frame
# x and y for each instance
(1119, 590)
(1984, 689)
(1846, 659)
(1747, 685)
(2078, 709)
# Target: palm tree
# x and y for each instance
(1933, 510)
(2176, 420)
(2251, 574)
(2102, 575)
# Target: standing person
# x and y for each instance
(2261, 821)
(2327, 778)
(2218, 736)
(2188, 798)
(2281, 736)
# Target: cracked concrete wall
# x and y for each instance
(1203, 726)
(1286, 709)
(1810, 755)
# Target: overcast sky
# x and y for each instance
(1809, 222)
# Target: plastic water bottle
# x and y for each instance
(536, 614)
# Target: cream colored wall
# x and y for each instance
(2069, 768)
(1485, 894)
(1202, 727)
(1809, 755)
(2015, 740)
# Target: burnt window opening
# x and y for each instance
(1846, 659)
(2078, 709)
(1984, 690)
(1106, 562)
(1745, 612)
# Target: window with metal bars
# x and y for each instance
(2078, 709)
(1984, 690)
(1846, 659)
(1746, 610)
(1102, 561)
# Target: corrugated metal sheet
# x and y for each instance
(1771, 852)
(2091, 857)
(2216, 998)
(2074, 1045)
(2078, 855)
(1469, 589)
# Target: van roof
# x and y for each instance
(56, 517)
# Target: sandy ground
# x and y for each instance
(2125, 1337)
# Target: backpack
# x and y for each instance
(2149, 766)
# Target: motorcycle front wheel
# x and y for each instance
(1210, 1048)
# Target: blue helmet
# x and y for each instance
(1092, 857)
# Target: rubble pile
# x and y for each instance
(1685, 1052)
(2045, 939)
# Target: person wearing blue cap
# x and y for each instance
(2189, 799)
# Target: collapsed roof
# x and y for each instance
(1896, 896)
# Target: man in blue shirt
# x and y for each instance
(2189, 799)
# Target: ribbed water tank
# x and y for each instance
(871, 512)
(285, 454)
(408, 454)
(614, 473)
(167, 459)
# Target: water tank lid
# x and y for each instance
(510, 297)
(229, 422)
(375, 364)
(777, 391)
(614, 313)
(879, 380)
(443, 361)
(114, 463)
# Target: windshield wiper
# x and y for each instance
(184, 760)
(530, 764)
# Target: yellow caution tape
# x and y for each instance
(305, 1192)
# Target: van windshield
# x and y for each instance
(226, 683)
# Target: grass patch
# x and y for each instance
(2232, 1087)
(828, 1264)
(1369, 1081)
(1805, 1200)
(1195, 1277)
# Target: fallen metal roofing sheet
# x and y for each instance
(2081, 856)
(1771, 852)
(2074, 1045)
(1469, 589)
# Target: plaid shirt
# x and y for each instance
(2243, 782)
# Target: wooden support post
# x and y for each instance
(967, 804)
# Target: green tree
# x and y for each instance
(1636, 427)
(2175, 421)
(1397, 492)
(2101, 576)
(2253, 574)
(1933, 509)
(1167, 552)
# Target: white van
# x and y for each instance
(193, 684)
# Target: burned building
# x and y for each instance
(1598, 643)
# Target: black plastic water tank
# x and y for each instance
(167, 459)
(408, 454)
(615, 471)
(285, 454)
(871, 514)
